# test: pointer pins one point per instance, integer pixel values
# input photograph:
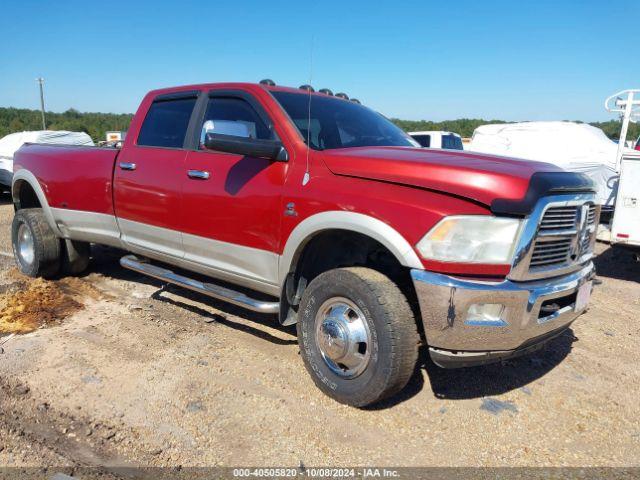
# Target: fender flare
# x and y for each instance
(342, 220)
(23, 175)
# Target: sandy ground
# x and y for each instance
(138, 374)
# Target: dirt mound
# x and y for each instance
(36, 303)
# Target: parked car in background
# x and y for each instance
(438, 139)
(322, 211)
(638, 144)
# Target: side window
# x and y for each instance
(166, 123)
(234, 116)
(423, 140)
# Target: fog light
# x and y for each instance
(486, 315)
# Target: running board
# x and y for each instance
(220, 293)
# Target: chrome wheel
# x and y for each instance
(26, 248)
(343, 337)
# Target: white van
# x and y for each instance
(438, 139)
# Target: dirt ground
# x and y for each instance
(123, 372)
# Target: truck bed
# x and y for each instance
(71, 176)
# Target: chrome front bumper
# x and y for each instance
(454, 341)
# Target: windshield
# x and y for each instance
(337, 123)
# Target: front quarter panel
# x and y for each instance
(400, 215)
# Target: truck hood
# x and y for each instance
(479, 177)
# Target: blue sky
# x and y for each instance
(435, 60)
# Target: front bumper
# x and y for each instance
(534, 312)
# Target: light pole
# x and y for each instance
(41, 83)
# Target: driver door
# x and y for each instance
(231, 202)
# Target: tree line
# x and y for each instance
(96, 124)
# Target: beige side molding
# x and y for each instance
(341, 220)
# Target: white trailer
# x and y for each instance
(624, 227)
(625, 224)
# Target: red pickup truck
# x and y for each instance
(318, 209)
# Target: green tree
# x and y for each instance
(97, 124)
(94, 124)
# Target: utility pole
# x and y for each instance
(41, 82)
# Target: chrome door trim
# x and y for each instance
(198, 174)
(127, 166)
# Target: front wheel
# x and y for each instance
(357, 335)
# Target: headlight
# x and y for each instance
(471, 239)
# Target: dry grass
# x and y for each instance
(35, 304)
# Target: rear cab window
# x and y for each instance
(452, 142)
(167, 121)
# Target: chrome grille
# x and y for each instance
(550, 252)
(565, 235)
(592, 215)
(591, 221)
(559, 218)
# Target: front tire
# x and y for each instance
(357, 335)
(35, 246)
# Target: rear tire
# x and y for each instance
(357, 335)
(36, 248)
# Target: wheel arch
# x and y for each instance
(358, 238)
(25, 186)
(366, 225)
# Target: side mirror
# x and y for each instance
(225, 127)
(251, 147)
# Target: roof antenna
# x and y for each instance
(307, 175)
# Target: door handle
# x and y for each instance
(127, 166)
(198, 174)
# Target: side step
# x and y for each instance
(220, 293)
